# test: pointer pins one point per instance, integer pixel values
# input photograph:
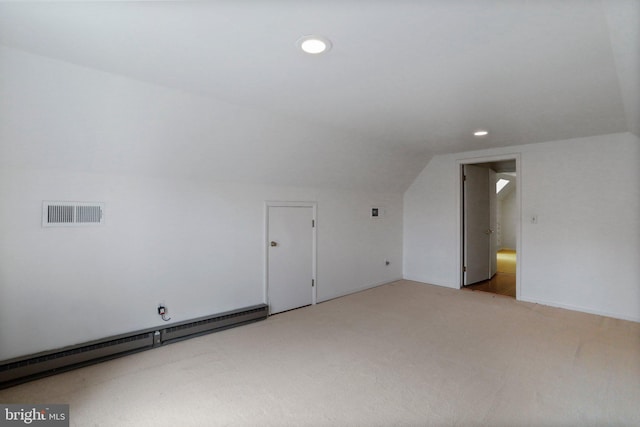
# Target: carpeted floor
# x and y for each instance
(405, 354)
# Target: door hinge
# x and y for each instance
(464, 268)
(313, 223)
(464, 177)
(313, 283)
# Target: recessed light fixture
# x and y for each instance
(314, 45)
(480, 133)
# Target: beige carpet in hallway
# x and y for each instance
(405, 354)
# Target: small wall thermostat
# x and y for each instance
(377, 212)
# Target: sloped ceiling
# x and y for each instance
(412, 78)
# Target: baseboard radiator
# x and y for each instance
(27, 368)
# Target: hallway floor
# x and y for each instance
(504, 281)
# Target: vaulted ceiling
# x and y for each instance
(416, 77)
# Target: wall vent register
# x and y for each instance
(65, 214)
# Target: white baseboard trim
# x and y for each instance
(581, 309)
(359, 289)
(429, 282)
(524, 299)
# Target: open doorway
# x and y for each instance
(489, 227)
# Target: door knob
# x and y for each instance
(274, 244)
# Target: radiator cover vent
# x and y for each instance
(65, 214)
(65, 360)
(205, 325)
(30, 367)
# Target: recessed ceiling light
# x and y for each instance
(481, 133)
(314, 44)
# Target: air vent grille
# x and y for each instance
(57, 214)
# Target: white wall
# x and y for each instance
(508, 220)
(57, 115)
(583, 253)
(196, 246)
(184, 179)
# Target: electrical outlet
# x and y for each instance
(162, 312)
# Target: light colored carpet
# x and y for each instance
(401, 354)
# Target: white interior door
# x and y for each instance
(290, 257)
(493, 224)
(477, 224)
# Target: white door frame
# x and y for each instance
(460, 230)
(314, 207)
